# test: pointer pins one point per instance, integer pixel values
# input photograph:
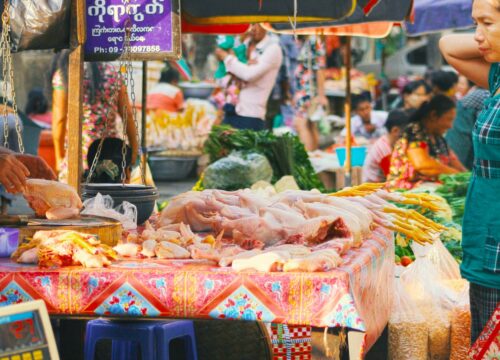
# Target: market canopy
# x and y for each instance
(252, 11)
(439, 15)
(376, 23)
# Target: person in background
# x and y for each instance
(166, 95)
(444, 82)
(464, 86)
(377, 162)
(104, 97)
(37, 108)
(477, 56)
(366, 122)
(109, 166)
(422, 153)
(283, 90)
(412, 96)
(459, 137)
(258, 77)
(309, 89)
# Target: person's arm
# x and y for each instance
(125, 109)
(179, 101)
(320, 83)
(13, 173)
(426, 164)
(461, 51)
(59, 122)
(455, 162)
(271, 58)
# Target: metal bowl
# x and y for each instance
(171, 168)
(143, 197)
(200, 90)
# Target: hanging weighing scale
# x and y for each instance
(108, 230)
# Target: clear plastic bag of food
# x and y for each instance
(408, 335)
(444, 261)
(100, 205)
(424, 282)
(460, 319)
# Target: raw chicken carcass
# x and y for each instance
(52, 199)
(128, 249)
(168, 250)
(321, 260)
(265, 261)
(148, 248)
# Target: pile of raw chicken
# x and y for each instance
(289, 231)
(54, 248)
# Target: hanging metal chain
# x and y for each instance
(129, 80)
(8, 79)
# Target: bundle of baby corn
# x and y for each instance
(406, 221)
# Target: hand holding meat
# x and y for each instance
(52, 199)
(38, 168)
(13, 173)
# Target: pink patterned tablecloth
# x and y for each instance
(357, 295)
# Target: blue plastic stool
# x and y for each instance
(169, 331)
(125, 336)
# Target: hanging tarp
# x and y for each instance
(252, 11)
(40, 24)
(438, 15)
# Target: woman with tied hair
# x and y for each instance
(422, 153)
(477, 56)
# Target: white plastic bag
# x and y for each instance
(100, 205)
(444, 261)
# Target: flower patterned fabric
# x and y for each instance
(98, 110)
(402, 173)
(311, 59)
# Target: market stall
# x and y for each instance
(343, 297)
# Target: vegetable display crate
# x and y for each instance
(171, 168)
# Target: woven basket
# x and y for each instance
(232, 340)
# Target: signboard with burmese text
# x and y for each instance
(153, 27)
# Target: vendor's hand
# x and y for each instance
(221, 54)
(37, 167)
(13, 173)
(370, 128)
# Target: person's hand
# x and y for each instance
(370, 128)
(13, 173)
(221, 54)
(37, 167)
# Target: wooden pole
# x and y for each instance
(143, 117)
(347, 111)
(75, 93)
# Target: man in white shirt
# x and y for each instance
(258, 77)
(367, 123)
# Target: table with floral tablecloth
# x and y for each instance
(357, 295)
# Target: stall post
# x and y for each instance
(75, 94)
(144, 153)
(347, 111)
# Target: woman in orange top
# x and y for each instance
(166, 95)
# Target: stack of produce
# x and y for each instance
(186, 131)
(454, 189)
(64, 248)
(285, 153)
